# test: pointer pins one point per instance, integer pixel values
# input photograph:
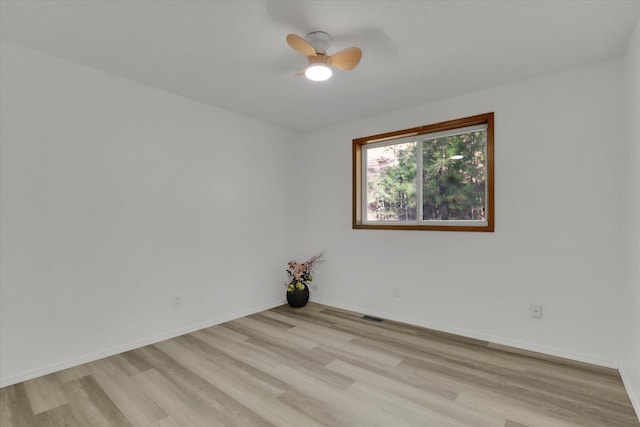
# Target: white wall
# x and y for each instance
(558, 142)
(630, 364)
(116, 196)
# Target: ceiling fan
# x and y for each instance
(314, 46)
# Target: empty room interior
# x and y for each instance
(469, 171)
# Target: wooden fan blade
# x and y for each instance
(346, 59)
(301, 45)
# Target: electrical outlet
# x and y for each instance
(536, 311)
(176, 300)
(396, 291)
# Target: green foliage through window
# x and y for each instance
(391, 182)
(453, 177)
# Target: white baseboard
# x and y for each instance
(523, 345)
(632, 396)
(25, 376)
(35, 373)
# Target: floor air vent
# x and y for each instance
(372, 319)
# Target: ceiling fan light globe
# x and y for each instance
(318, 73)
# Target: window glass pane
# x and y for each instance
(391, 182)
(453, 177)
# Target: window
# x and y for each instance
(433, 177)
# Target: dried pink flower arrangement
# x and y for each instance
(301, 273)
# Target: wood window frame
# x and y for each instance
(358, 196)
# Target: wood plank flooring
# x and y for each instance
(321, 366)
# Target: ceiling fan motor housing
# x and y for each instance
(319, 40)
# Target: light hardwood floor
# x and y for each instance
(321, 366)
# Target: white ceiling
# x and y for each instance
(233, 54)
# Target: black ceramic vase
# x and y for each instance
(298, 297)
